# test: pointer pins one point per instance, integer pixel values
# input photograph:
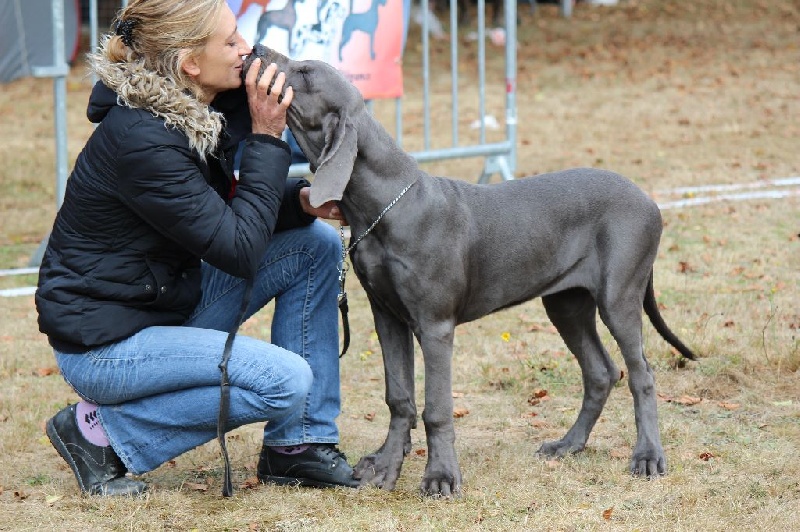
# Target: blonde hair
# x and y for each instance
(142, 58)
(162, 31)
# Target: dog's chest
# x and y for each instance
(383, 278)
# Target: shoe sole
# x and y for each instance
(300, 482)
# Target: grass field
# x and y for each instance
(671, 94)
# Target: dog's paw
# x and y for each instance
(559, 448)
(648, 465)
(371, 472)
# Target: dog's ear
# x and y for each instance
(336, 160)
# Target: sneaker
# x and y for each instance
(319, 466)
(98, 470)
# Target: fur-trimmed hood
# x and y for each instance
(136, 86)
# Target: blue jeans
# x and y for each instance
(158, 390)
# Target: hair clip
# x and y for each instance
(124, 28)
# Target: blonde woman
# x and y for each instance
(149, 257)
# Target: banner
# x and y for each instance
(363, 39)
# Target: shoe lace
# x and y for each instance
(333, 451)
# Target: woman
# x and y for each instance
(145, 271)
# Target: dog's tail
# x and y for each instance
(651, 309)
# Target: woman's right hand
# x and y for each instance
(268, 115)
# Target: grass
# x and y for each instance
(670, 94)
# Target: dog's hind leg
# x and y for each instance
(382, 468)
(574, 314)
(622, 313)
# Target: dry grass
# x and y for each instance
(670, 94)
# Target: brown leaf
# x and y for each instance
(196, 486)
(250, 483)
(728, 406)
(460, 412)
(607, 513)
(369, 416)
(44, 372)
(685, 267)
(706, 456)
(618, 453)
(688, 400)
(420, 452)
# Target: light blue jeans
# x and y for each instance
(158, 390)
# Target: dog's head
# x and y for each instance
(322, 118)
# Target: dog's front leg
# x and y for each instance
(442, 475)
(382, 468)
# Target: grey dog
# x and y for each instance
(444, 252)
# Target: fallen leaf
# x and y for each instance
(460, 412)
(688, 400)
(728, 406)
(619, 454)
(420, 452)
(44, 372)
(706, 456)
(607, 513)
(250, 483)
(538, 423)
(196, 486)
(369, 416)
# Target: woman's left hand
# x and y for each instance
(328, 210)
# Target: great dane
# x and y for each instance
(433, 253)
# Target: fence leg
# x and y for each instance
(496, 164)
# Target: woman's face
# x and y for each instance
(218, 67)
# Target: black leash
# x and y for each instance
(342, 299)
(225, 388)
(343, 310)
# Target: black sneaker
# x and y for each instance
(98, 470)
(319, 466)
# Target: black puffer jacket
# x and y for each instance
(142, 208)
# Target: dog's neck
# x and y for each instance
(380, 172)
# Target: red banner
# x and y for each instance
(362, 38)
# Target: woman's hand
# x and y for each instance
(328, 210)
(267, 113)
